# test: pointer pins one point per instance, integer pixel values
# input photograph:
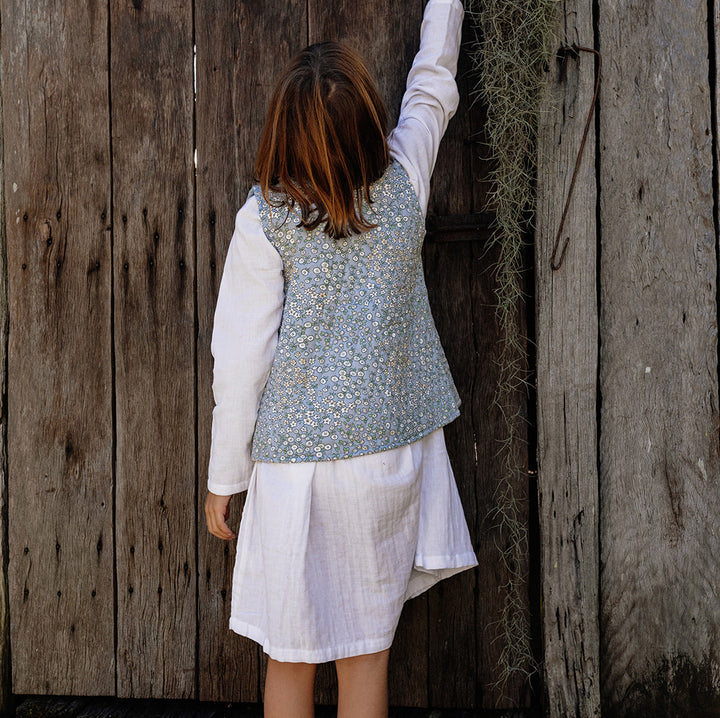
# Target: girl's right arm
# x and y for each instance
(431, 96)
(245, 332)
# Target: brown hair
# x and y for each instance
(324, 139)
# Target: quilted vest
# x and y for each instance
(358, 366)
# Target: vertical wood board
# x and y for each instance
(453, 675)
(239, 56)
(57, 190)
(454, 669)
(154, 260)
(452, 186)
(659, 364)
(466, 640)
(6, 699)
(567, 347)
(386, 34)
(75, 296)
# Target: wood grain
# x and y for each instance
(154, 314)
(6, 698)
(101, 195)
(567, 348)
(57, 190)
(55, 707)
(452, 651)
(387, 36)
(660, 547)
(239, 55)
(465, 646)
(466, 641)
(385, 33)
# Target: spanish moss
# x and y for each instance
(513, 41)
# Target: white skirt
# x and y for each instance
(328, 552)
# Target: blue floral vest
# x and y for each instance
(358, 367)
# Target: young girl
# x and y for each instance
(330, 383)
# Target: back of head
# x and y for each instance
(324, 138)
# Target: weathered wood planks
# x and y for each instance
(129, 327)
(151, 76)
(465, 612)
(465, 636)
(239, 56)
(660, 544)
(6, 698)
(455, 679)
(386, 35)
(57, 194)
(567, 347)
(462, 289)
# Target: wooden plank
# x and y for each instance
(475, 227)
(57, 189)
(462, 665)
(453, 180)
(386, 34)
(6, 700)
(567, 346)
(465, 638)
(408, 668)
(152, 133)
(240, 52)
(659, 460)
(452, 650)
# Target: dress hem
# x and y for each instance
(438, 563)
(300, 655)
(425, 577)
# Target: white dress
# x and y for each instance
(328, 552)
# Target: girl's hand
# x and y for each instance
(216, 513)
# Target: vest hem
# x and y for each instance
(351, 453)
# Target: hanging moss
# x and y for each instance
(513, 42)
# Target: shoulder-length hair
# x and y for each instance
(324, 141)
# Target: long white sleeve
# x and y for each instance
(431, 97)
(245, 332)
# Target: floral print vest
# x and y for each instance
(358, 366)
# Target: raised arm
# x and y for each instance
(245, 331)
(431, 97)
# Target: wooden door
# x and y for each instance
(126, 160)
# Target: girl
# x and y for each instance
(330, 384)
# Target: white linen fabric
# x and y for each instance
(328, 551)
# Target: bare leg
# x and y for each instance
(289, 690)
(362, 686)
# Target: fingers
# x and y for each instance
(217, 509)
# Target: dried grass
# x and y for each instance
(514, 39)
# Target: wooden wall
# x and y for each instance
(124, 166)
(567, 366)
(659, 448)
(627, 333)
